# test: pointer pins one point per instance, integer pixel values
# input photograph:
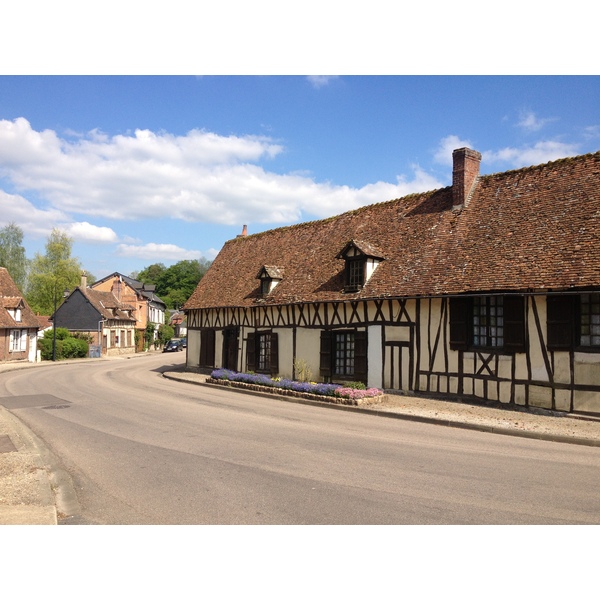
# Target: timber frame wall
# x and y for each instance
(409, 350)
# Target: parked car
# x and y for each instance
(173, 346)
(184, 342)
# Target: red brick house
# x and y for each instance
(487, 289)
(18, 323)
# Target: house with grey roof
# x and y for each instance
(18, 323)
(109, 322)
(486, 290)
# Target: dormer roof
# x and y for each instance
(365, 248)
(271, 272)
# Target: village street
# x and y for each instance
(142, 449)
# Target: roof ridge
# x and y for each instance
(557, 161)
(353, 211)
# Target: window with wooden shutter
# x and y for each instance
(460, 309)
(251, 352)
(274, 356)
(514, 324)
(325, 355)
(343, 355)
(207, 348)
(360, 356)
(589, 321)
(560, 319)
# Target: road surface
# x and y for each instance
(142, 449)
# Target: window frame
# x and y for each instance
(328, 353)
(594, 301)
(269, 364)
(263, 351)
(462, 324)
(18, 341)
(355, 273)
(487, 314)
(564, 322)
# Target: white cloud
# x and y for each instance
(86, 232)
(33, 221)
(529, 121)
(318, 81)
(592, 132)
(539, 153)
(163, 252)
(199, 177)
(443, 154)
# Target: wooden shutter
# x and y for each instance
(274, 358)
(460, 313)
(207, 348)
(560, 321)
(360, 356)
(514, 323)
(325, 355)
(251, 352)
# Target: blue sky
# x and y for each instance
(146, 169)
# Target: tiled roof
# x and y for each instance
(11, 298)
(144, 290)
(527, 229)
(44, 321)
(107, 304)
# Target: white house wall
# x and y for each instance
(193, 349)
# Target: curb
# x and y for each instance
(564, 439)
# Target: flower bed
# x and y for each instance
(328, 392)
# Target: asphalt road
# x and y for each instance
(145, 450)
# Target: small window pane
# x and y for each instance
(590, 320)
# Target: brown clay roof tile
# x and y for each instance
(528, 229)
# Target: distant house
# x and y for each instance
(178, 322)
(45, 325)
(488, 289)
(18, 323)
(148, 307)
(109, 322)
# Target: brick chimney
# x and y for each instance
(83, 280)
(244, 231)
(464, 175)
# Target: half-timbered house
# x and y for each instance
(488, 289)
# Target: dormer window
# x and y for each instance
(15, 313)
(361, 261)
(269, 277)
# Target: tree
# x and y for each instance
(165, 333)
(175, 284)
(150, 274)
(52, 273)
(12, 254)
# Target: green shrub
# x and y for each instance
(67, 346)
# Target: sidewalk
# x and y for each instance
(500, 419)
(28, 477)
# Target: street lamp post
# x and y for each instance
(54, 326)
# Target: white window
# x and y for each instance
(18, 341)
(15, 313)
